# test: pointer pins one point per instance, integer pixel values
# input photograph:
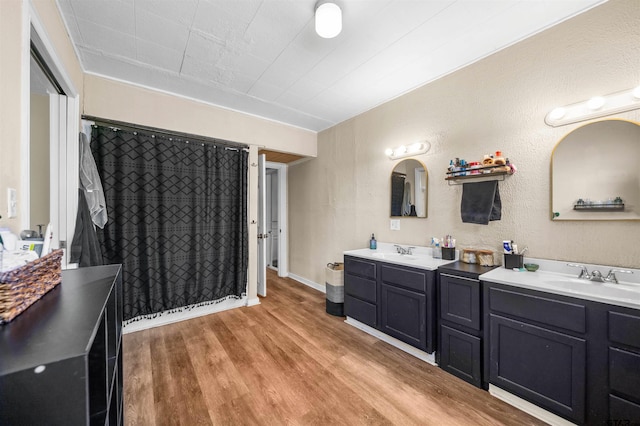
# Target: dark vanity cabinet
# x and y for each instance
(407, 305)
(460, 321)
(61, 359)
(397, 300)
(575, 358)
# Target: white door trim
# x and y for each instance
(64, 133)
(283, 238)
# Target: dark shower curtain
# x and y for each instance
(177, 218)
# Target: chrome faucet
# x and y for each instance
(611, 276)
(597, 276)
(584, 273)
(403, 250)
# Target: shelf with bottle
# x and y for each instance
(492, 167)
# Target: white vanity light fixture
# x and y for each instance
(407, 151)
(328, 19)
(598, 106)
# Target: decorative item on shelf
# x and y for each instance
(25, 285)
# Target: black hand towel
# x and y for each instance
(481, 202)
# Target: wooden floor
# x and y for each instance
(286, 361)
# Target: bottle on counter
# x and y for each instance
(373, 244)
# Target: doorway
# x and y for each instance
(276, 217)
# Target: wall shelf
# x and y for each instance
(606, 207)
(485, 173)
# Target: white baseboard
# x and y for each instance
(253, 302)
(421, 355)
(528, 407)
(309, 283)
(170, 318)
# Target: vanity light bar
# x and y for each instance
(598, 106)
(407, 151)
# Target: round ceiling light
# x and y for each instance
(328, 20)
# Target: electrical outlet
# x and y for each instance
(395, 224)
(12, 202)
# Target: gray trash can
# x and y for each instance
(334, 281)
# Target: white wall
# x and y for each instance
(110, 99)
(499, 103)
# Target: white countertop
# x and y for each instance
(558, 278)
(386, 252)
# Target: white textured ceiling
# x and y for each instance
(263, 57)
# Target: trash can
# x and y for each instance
(334, 280)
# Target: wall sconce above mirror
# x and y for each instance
(595, 174)
(598, 106)
(407, 150)
(409, 192)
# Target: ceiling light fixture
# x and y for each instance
(407, 151)
(599, 106)
(328, 20)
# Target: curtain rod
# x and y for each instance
(137, 127)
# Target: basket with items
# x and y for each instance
(22, 286)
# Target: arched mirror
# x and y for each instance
(595, 173)
(409, 189)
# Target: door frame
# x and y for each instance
(283, 224)
(64, 149)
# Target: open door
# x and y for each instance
(262, 227)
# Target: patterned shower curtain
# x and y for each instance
(177, 218)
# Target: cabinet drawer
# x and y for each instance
(460, 355)
(622, 411)
(569, 316)
(624, 373)
(360, 310)
(360, 267)
(361, 288)
(624, 329)
(460, 300)
(402, 277)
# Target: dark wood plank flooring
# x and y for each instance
(286, 361)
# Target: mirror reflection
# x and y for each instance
(595, 174)
(409, 189)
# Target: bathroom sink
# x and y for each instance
(394, 256)
(387, 252)
(597, 288)
(625, 293)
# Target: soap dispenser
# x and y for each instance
(373, 244)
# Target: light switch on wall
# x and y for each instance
(395, 224)
(12, 202)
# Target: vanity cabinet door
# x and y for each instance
(543, 366)
(404, 315)
(460, 355)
